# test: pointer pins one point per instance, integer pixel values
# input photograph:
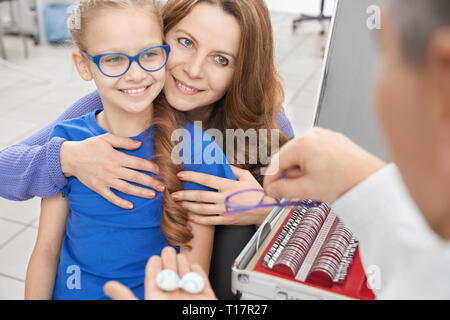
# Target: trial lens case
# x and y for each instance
(251, 279)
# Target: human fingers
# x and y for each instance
(128, 188)
(143, 179)
(293, 173)
(169, 259)
(183, 265)
(204, 179)
(300, 188)
(153, 267)
(137, 163)
(203, 208)
(240, 173)
(215, 220)
(250, 217)
(289, 158)
(106, 193)
(120, 142)
(198, 196)
(118, 291)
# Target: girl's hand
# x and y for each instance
(100, 167)
(169, 260)
(209, 206)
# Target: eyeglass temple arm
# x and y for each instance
(87, 55)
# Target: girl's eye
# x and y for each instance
(222, 60)
(185, 42)
(113, 59)
(148, 55)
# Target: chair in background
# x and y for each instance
(19, 12)
(320, 17)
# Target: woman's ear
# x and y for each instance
(82, 65)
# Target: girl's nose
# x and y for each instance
(135, 73)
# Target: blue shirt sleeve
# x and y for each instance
(285, 124)
(205, 157)
(31, 167)
(61, 130)
(286, 127)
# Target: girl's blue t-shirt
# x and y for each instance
(105, 242)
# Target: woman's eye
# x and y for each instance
(185, 42)
(222, 60)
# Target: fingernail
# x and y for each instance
(175, 196)
(151, 194)
(161, 188)
(130, 206)
(190, 218)
(180, 175)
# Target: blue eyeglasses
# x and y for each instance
(254, 199)
(117, 64)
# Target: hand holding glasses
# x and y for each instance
(115, 65)
(254, 199)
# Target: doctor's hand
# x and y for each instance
(169, 260)
(207, 207)
(100, 167)
(322, 165)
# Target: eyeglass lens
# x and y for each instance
(116, 64)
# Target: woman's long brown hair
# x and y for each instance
(256, 95)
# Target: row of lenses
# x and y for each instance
(293, 255)
(346, 261)
(330, 257)
(283, 238)
(288, 252)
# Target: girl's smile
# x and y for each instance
(137, 92)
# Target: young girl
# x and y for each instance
(84, 240)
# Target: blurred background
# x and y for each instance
(38, 82)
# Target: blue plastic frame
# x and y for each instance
(96, 59)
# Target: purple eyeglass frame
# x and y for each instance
(235, 209)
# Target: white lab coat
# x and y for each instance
(403, 258)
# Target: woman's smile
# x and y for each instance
(184, 88)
